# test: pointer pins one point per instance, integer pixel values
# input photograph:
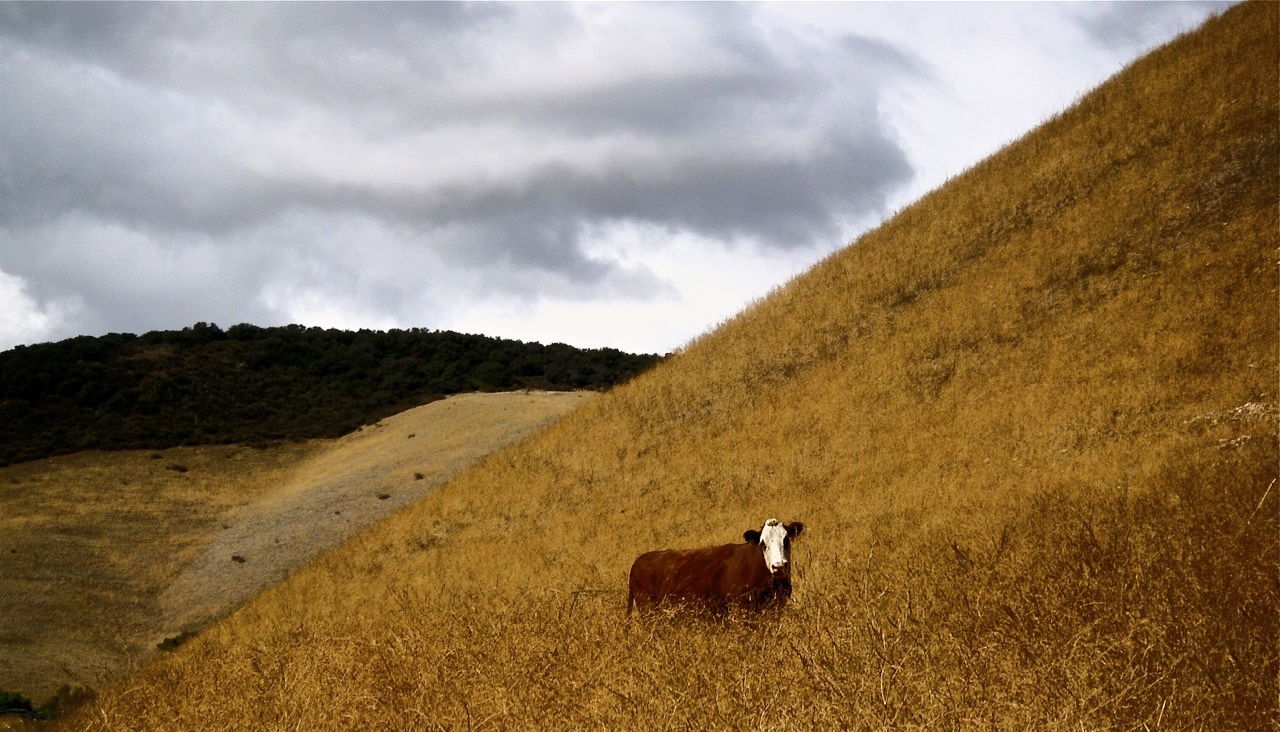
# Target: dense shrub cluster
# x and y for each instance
(14, 706)
(251, 385)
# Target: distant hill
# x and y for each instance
(251, 385)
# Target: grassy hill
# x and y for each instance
(1030, 424)
(109, 555)
(253, 386)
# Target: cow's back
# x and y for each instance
(712, 578)
(677, 575)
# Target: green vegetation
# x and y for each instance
(250, 385)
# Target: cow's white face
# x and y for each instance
(777, 550)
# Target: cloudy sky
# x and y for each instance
(618, 174)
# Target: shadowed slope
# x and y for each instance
(1029, 423)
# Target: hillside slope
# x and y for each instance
(108, 554)
(1030, 424)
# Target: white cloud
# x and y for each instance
(23, 319)
(703, 283)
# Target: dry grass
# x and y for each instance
(1030, 425)
(90, 540)
(108, 554)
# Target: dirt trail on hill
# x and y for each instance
(363, 478)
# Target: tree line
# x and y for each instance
(253, 385)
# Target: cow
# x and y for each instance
(752, 576)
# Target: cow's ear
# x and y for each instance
(752, 536)
(794, 528)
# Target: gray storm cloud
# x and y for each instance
(181, 143)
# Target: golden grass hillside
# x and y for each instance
(107, 555)
(88, 541)
(1030, 424)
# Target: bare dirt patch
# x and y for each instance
(104, 556)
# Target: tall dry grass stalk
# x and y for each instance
(1029, 424)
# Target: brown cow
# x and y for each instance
(751, 576)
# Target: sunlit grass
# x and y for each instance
(1029, 424)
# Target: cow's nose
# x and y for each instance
(778, 566)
